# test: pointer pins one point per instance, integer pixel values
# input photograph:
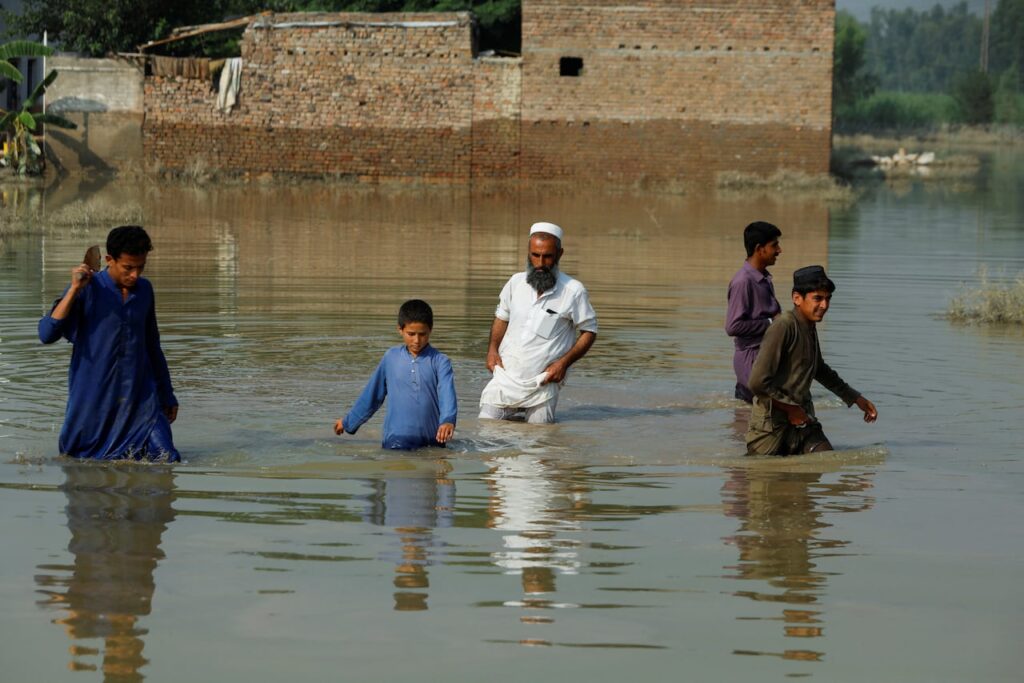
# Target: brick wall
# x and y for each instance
(664, 91)
(676, 89)
(373, 96)
(497, 95)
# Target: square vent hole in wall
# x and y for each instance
(570, 66)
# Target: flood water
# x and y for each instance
(632, 538)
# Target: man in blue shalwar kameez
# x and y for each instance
(120, 400)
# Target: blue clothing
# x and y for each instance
(421, 397)
(118, 381)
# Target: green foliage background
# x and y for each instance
(99, 27)
(925, 67)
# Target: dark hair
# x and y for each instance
(128, 239)
(415, 311)
(758, 233)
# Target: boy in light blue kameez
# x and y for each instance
(419, 384)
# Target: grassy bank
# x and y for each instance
(933, 117)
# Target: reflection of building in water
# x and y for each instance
(116, 516)
(534, 507)
(780, 543)
(413, 506)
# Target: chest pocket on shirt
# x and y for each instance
(546, 323)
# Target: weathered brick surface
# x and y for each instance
(368, 95)
(496, 115)
(669, 90)
(676, 89)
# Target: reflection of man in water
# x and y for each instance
(413, 506)
(116, 517)
(532, 507)
(543, 324)
(752, 302)
(780, 544)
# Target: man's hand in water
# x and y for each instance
(339, 427)
(493, 360)
(172, 413)
(444, 432)
(870, 412)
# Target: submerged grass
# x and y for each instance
(990, 303)
(785, 182)
(91, 212)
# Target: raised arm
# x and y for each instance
(53, 326)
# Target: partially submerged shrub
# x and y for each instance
(990, 303)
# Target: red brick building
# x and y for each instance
(658, 91)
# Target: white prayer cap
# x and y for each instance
(549, 228)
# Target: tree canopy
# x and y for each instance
(922, 51)
(850, 79)
(99, 27)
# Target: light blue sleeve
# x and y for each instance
(374, 393)
(447, 402)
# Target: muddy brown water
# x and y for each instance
(631, 538)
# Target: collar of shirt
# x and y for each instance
(104, 279)
(755, 274)
(423, 352)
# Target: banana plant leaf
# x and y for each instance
(24, 48)
(39, 90)
(27, 119)
(8, 70)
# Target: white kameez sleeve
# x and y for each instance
(584, 317)
(504, 309)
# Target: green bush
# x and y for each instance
(899, 110)
(1009, 102)
(974, 93)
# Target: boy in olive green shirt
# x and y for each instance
(782, 419)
